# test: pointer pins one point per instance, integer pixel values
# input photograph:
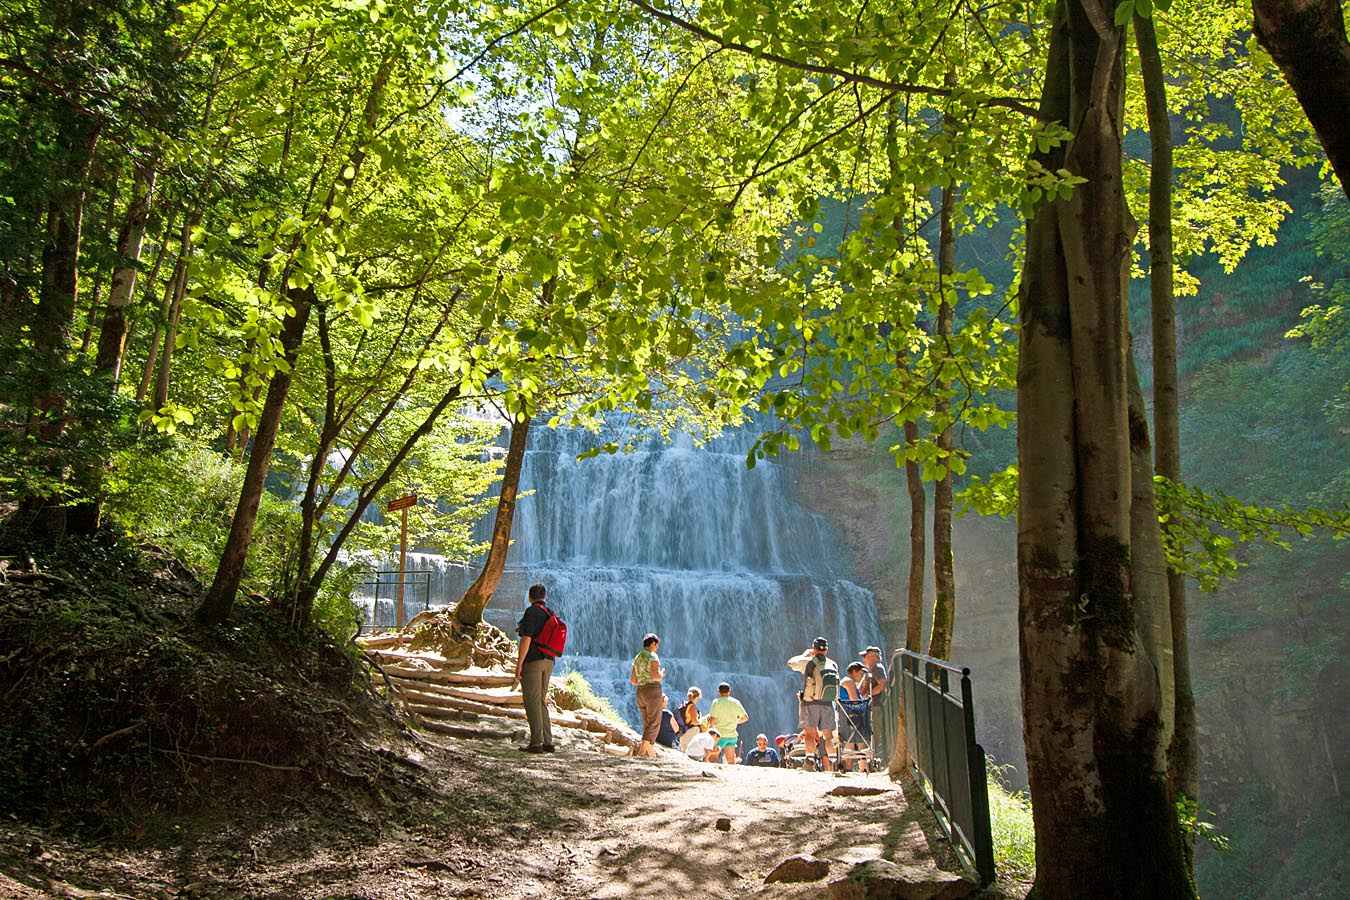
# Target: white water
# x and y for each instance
(720, 561)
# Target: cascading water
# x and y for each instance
(719, 560)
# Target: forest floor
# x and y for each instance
(145, 757)
(493, 822)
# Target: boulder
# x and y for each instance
(723, 824)
(799, 868)
(879, 879)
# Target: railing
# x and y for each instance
(382, 590)
(944, 757)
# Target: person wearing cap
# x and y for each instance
(817, 711)
(876, 672)
(762, 754)
(726, 713)
(703, 746)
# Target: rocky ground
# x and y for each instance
(492, 822)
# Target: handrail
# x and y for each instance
(416, 582)
(945, 759)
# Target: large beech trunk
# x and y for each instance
(1092, 712)
(1307, 40)
(944, 574)
(469, 611)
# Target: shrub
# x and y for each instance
(575, 692)
(1014, 834)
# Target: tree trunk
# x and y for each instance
(469, 611)
(918, 543)
(1306, 38)
(171, 314)
(328, 434)
(112, 338)
(944, 576)
(216, 605)
(87, 512)
(309, 591)
(1091, 708)
(54, 315)
(1183, 751)
(96, 292)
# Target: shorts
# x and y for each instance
(725, 742)
(819, 716)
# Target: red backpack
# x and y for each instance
(552, 636)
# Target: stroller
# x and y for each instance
(855, 727)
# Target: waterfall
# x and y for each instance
(720, 561)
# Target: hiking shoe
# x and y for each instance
(532, 748)
(548, 748)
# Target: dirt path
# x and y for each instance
(663, 835)
(487, 821)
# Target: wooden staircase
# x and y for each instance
(448, 696)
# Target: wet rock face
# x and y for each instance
(878, 879)
(799, 869)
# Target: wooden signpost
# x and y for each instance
(402, 505)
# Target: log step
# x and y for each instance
(396, 656)
(482, 677)
(461, 731)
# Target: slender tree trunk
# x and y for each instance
(216, 605)
(469, 610)
(156, 335)
(219, 600)
(918, 543)
(1183, 752)
(112, 339)
(175, 308)
(87, 512)
(944, 575)
(300, 613)
(96, 293)
(328, 434)
(1307, 40)
(1092, 717)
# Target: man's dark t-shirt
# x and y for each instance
(529, 626)
(766, 757)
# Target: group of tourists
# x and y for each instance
(825, 697)
(713, 737)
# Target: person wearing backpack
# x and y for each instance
(820, 688)
(534, 668)
(687, 717)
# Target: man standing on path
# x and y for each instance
(876, 684)
(533, 671)
(820, 688)
(725, 714)
(876, 672)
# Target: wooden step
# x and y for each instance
(398, 656)
(462, 731)
(481, 677)
(381, 641)
(433, 711)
